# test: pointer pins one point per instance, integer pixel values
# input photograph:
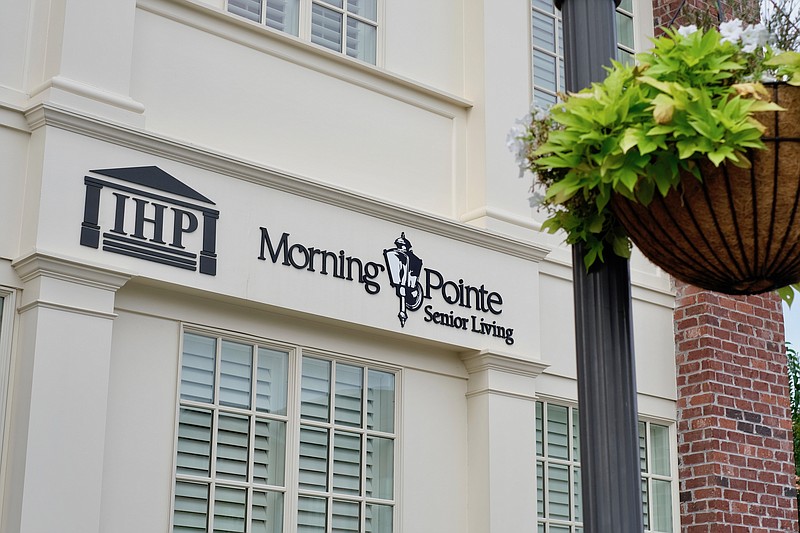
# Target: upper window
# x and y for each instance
(548, 47)
(346, 26)
(255, 454)
(558, 472)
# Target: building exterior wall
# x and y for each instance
(278, 137)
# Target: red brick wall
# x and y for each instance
(736, 469)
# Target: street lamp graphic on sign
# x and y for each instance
(404, 268)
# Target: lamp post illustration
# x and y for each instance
(404, 268)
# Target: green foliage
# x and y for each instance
(633, 133)
(793, 359)
(788, 293)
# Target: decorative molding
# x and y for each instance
(68, 308)
(483, 360)
(495, 392)
(196, 156)
(90, 92)
(504, 216)
(37, 264)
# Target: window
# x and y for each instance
(238, 418)
(558, 472)
(548, 47)
(346, 26)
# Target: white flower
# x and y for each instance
(536, 199)
(731, 31)
(540, 114)
(686, 31)
(754, 37)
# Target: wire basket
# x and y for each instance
(738, 230)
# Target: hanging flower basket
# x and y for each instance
(738, 230)
(687, 153)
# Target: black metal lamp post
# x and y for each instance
(610, 471)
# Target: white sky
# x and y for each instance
(791, 319)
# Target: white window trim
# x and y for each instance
(296, 352)
(673, 465)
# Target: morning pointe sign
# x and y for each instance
(461, 306)
(147, 214)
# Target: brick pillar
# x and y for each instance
(736, 468)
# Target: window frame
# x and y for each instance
(332, 427)
(641, 12)
(304, 32)
(291, 489)
(573, 411)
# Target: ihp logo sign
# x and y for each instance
(145, 213)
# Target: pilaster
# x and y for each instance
(501, 442)
(80, 57)
(59, 395)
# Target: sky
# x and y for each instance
(791, 319)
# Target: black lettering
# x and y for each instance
(312, 252)
(325, 255)
(371, 271)
(302, 250)
(428, 313)
(494, 298)
(468, 293)
(157, 221)
(454, 299)
(178, 229)
(428, 285)
(274, 253)
(119, 214)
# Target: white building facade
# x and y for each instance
(266, 267)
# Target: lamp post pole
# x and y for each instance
(610, 471)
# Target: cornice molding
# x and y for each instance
(193, 155)
(485, 360)
(36, 264)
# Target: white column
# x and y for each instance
(502, 442)
(60, 393)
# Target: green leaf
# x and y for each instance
(622, 247)
(788, 293)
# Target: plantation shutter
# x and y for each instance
(194, 442)
(235, 374)
(315, 389)
(230, 508)
(345, 517)
(191, 508)
(326, 26)
(249, 9)
(197, 368)
(347, 463)
(282, 15)
(311, 515)
(349, 386)
(272, 381)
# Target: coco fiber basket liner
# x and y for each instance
(737, 231)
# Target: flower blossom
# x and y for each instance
(731, 31)
(685, 31)
(754, 37)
